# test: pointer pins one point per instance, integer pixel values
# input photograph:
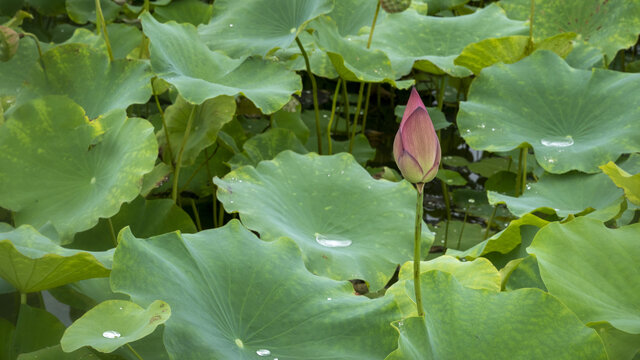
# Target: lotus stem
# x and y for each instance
(531, 14)
(366, 107)
(23, 298)
(355, 117)
(524, 171)
(345, 104)
(314, 90)
(194, 208)
(134, 352)
(416, 249)
(102, 25)
(519, 173)
(447, 203)
(176, 173)
(464, 222)
(164, 126)
(493, 214)
(113, 232)
(204, 164)
(333, 113)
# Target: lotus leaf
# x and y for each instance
(82, 11)
(326, 205)
(35, 328)
(235, 297)
(123, 39)
(90, 167)
(629, 183)
(193, 12)
(577, 266)
(502, 242)
(466, 323)
(88, 77)
(432, 43)
(180, 57)
(569, 116)
(56, 353)
(208, 119)
(266, 146)
(114, 323)
(255, 27)
(610, 25)
(146, 218)
(572, 193)
(32, 262)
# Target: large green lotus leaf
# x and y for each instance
(352, 16)
(123, 39)
(319, 60)
(619, 344)
(502, 242)
(476, 274)
(362, 150)
(350, 57)
(525, 274)
(235, 297)
(255, 27)
(13, 72)
(432, 43)
(466, 323)
(510, 49)
(266, 146)
(573, 119)
(629, 183)
(194, 12)
(610, 25)
(571, 193)
(179, 56)
(585, 56)
(88, 77)
(32, 262)
(59, 167)
(328, 206)
(208, 119)
(83, 11)
(593, 270)
(145, 217)
(113, 323)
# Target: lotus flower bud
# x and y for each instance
(395, 6)
(416, 148)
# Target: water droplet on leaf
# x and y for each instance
(111, 334)
(324, 241)
(558, 142)
(263, 352)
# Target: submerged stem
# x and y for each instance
(345, 104)
(134, 352)
(416, 248)
(113, 232)
(333, 113)
(314, 90)
(176, 173)
(366, 107)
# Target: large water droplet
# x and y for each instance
(558, 141)
(239, 343)
(324, 241)
(111, 334)
(263, 352)
(231, 25)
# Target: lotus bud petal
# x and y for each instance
(416, 148)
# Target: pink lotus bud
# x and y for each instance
(416, 148)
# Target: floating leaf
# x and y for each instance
(114, 323)
(629, 183)
(234, 296)
(502, 242)
(610, 25)
(466, 323)
(88, 77)
(193, 12)
(570, 117)
(254, 27)
(510, 49)
(83, 11)
(572, 193)
(181, 58)
(208, 119)
(322, 203)
(32, 262)
(451, 177)
(577, 266)
(86, 178)
(432, 43)
(266, 146)
(146, 218)
(36, 328)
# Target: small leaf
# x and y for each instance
(113, 323)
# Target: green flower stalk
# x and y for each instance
(416, 150)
